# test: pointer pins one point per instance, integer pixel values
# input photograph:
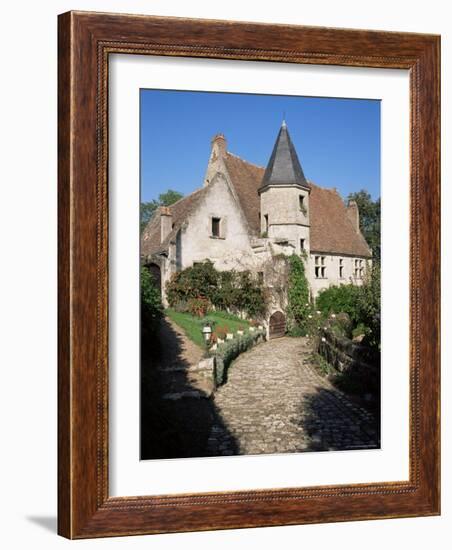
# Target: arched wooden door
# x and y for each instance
(277, 325)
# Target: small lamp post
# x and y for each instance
(207, 333)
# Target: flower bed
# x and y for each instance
(220, 322)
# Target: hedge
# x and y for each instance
(230, 349)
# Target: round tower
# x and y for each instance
(284, 197)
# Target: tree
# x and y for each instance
(369, 220)
(147, 209)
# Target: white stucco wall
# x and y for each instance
(332, 264)
(232, 250)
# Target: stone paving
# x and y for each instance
(275, 402)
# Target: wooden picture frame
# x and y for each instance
(85, 508)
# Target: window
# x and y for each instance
(319, 267)
(359, 269)
(216, 227)
(266, 223)
(301, 202)
(301, 244)
(260, 277)
(341, 268)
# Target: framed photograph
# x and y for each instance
(248, 275)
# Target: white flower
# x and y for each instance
(307, 335)
(323, 339)
(318, 312)
(333, 316)
(309, 316)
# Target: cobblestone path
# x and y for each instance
(275, 402)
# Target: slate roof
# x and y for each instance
(331, 230)
(283, 166)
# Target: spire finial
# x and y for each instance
(284, 125)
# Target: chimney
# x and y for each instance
(166, 222)
(219, 145)
(218, 152)
(353, 214)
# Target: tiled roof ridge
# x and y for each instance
(245, 161)
(190, 195)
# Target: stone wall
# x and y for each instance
(351, 358)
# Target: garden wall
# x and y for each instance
(348, 357)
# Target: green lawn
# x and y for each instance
(192, 326)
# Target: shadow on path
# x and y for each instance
(333, 423)
(177, 414)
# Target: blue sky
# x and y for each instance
(337, 140)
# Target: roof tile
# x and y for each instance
(331, 230)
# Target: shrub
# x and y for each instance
(250, 295)
(360, 303)
(340, 299)
(151, 304)
(296, 331)
(226, 296)
(226, 290)
(181, 306)
(369, 304)
(201, 280)
(360, 330)
(199, 307)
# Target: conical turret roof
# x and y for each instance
(284, 168)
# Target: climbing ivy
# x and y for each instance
(297, 293)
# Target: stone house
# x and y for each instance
(246, 216)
